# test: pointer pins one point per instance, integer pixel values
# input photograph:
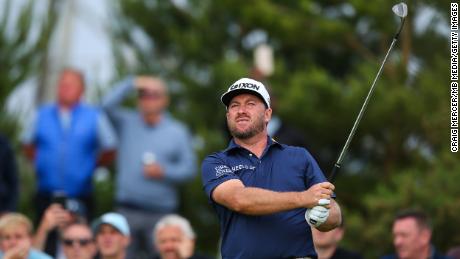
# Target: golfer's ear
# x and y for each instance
(268, 114)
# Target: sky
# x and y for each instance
(90, 48)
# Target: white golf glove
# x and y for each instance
(318, 214)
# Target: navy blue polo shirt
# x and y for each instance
(281, 168)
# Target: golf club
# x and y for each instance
(401, 11)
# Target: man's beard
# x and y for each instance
(254, 129)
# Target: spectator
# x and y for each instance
(112, 236)
(175, 238)
(327, 244)
(16, 238)
(412, 237)
(155, 154)
(56, 218)
(9, 185)
(78, 241)
(64, 140)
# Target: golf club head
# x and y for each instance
(400, 10)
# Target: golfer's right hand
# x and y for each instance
(315, 193)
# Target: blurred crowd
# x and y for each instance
(67, 140)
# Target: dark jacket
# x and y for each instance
(341, 253)
(434, 255)
(9, 185)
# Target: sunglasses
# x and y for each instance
(81, 242)
(150, 95)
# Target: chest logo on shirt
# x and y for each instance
(224, 170)
(241, 167)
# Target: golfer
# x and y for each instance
(267, 195)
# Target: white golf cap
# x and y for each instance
(115, 220)
(249, 86)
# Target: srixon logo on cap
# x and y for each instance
(244, 86)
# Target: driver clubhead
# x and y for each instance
(400, 9)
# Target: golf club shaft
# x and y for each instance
(337, 164)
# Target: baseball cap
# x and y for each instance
(246, 85)
(115, 220)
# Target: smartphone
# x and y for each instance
(60, 198)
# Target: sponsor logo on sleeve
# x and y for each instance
(222, 170)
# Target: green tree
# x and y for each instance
(23, 44)
(24, 41)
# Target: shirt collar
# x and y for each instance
(270, 142)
